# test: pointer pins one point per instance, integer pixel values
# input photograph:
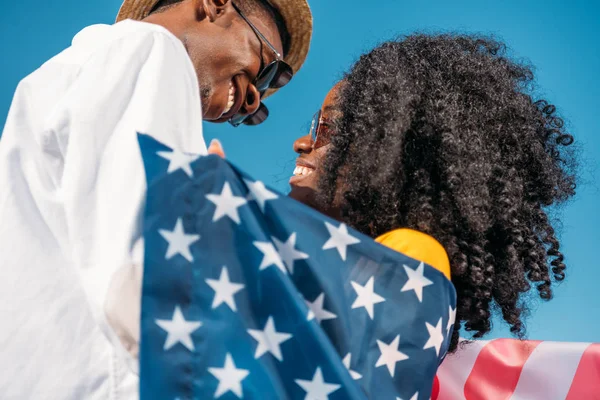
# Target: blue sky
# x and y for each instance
(558, 37)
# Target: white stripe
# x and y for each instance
(455, 370)
(549, 371)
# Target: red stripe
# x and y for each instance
(497, 369)
(586, 383)
(435, 392)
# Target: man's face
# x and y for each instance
(227, 56)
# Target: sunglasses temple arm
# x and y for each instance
(255, 29)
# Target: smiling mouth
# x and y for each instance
(231, 98)
(302, 171)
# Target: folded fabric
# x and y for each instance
(520, 369)
(249, 294)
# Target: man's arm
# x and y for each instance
(142, 83)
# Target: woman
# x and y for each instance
(440, 136)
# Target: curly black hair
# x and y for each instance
(441, 133)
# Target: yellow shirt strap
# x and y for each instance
(419, 246)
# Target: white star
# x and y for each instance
(179, 241)
(317, 311)
(178, 160)
(340, 239)
(346, 361)
(260, 193)
(367, 298)
(227, 204)
(317, 389)
(270, 256)
(288, 253)
(436, 337)
(178, 329)
(269, 340)
(416, 281)
(224, 290)
(414, 397)
(230, 378)
(390, 355)
(451, 318)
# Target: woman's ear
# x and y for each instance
(212, 9)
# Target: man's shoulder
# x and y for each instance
(127, 37)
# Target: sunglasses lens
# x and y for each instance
(274, 76)
(258, 117)
(284, 75)
(237, 120)
(267, 75)
(314, 125)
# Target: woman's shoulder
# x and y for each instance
(417, 245)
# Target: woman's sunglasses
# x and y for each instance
(273, 76)
(320, 131)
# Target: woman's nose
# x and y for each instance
(303, 145)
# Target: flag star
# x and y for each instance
(260, 193)
(269, 340)
(288, 253)
(179, 241)
(367, 298)
(178, 330)
(227, 204)
(270, 256)
(451, 318)
(179, 160)
(340, 239)
(416, 281)
(436, 337)
(414, 397)
(390, 354)
(230, 378)
(317, 388)
(317, 311)
(346, 361)
(224, 290)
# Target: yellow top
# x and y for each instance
(419, 246)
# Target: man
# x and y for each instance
(73, 183)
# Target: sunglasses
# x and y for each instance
(272, 76)
(320, 131)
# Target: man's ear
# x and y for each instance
(211, 8)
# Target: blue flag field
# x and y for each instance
(248, 294)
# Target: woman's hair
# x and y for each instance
(441, 133)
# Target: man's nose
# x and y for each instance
(251, 102)
(303, 145)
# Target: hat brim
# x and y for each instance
(295, 13)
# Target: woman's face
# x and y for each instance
(310, 154)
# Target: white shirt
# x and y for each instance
(72, 188)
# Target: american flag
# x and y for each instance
(520, 370)
(249, 294)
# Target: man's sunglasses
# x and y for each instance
(273, 76)
(320, 131)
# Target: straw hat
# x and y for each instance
(296, 15)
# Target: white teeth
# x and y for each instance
(231, 99)
(302, 171)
